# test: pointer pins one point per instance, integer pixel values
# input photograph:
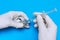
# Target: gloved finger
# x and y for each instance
(23, 15)
(49, 22)
(34, 21)
(35, 25)
(17, 24)
(40, 21)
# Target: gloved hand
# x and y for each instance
(12, 19)
(47, 28)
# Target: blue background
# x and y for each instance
(28, 6)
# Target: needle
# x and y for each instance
(53, 10)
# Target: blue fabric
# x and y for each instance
(28, 6)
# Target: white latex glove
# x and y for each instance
(10, 19)
(47, 29)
